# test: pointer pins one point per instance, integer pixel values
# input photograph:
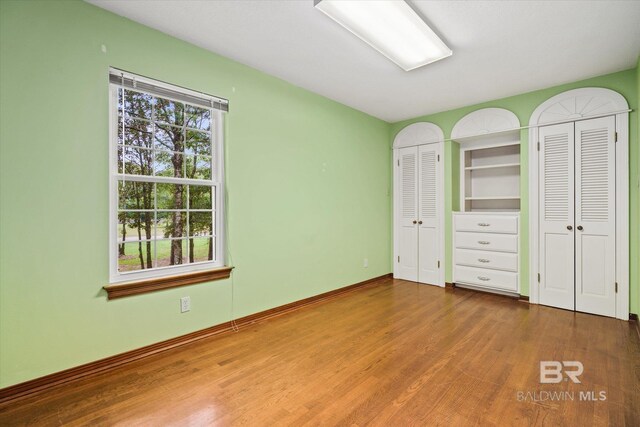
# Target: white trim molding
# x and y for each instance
(418, 134)
(576, 105)
(413, 135)
(485, 121)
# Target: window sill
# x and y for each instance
(120, 290)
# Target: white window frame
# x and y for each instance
(217, 181)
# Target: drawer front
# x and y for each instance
(487, 241)
(486, 259)
(487, 278)
(487, 223)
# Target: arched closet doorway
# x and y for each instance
(579, 202)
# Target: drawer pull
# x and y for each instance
(483, 242)
(483, 278)
(483, 224)
(483, 260)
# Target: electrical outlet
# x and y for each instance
(365, 264)
(185, 304)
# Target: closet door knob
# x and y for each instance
(580, 228)
(419, 222)
(569, 227)
(415, 222)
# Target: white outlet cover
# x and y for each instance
(185, 304)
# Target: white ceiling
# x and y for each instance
(499, 48)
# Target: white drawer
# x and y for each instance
(487, 278)
(486, 259)
(487, 241)
(487, 223)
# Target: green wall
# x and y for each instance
(625, 82)
(308, 185)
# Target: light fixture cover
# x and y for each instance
(391, 27)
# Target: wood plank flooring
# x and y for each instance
(392, 354)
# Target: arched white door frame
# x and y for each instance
(570, 106)
(420, 133)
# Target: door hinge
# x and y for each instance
(538, 145)
(616, 287)
(438, 157)
(438, 264)
(398, 162)
(538, 277)
(398, 258)
(616, 137)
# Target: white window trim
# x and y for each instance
(218, 175)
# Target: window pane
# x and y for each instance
(198, 118)
(200, 197)
(198, 167)
(138, 104)
(171, 196)
(198, 143)
(135, 256)
(169, 138)
(135, 226)
(172, 252)
(135, 161)
(120, 101)
(135, 195)
(168, 111)
(201, 249)
(119, 128)
(172, 224)
(169, 164)
(120, 158)
(138, 133)
(200, 224)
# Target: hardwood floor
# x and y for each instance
(384, 355)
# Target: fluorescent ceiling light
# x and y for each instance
(391, 27)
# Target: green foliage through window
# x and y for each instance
(163, 223)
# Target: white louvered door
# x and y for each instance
(556, 240)
(577, 216)
(407, 211)
(428, 214)
(595, 216)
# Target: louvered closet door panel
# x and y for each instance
(428, 214)
(595, 214)
(556, 242)
(407, 211)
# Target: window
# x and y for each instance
(166, 179)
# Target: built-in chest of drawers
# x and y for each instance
(486, 250)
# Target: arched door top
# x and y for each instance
(578, 103)
(485, 121)
(418, 134)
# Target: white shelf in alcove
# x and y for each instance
(494, 198)
(505, 165)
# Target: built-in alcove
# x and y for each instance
(489, 142)
(487, 228)
(492, 178)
